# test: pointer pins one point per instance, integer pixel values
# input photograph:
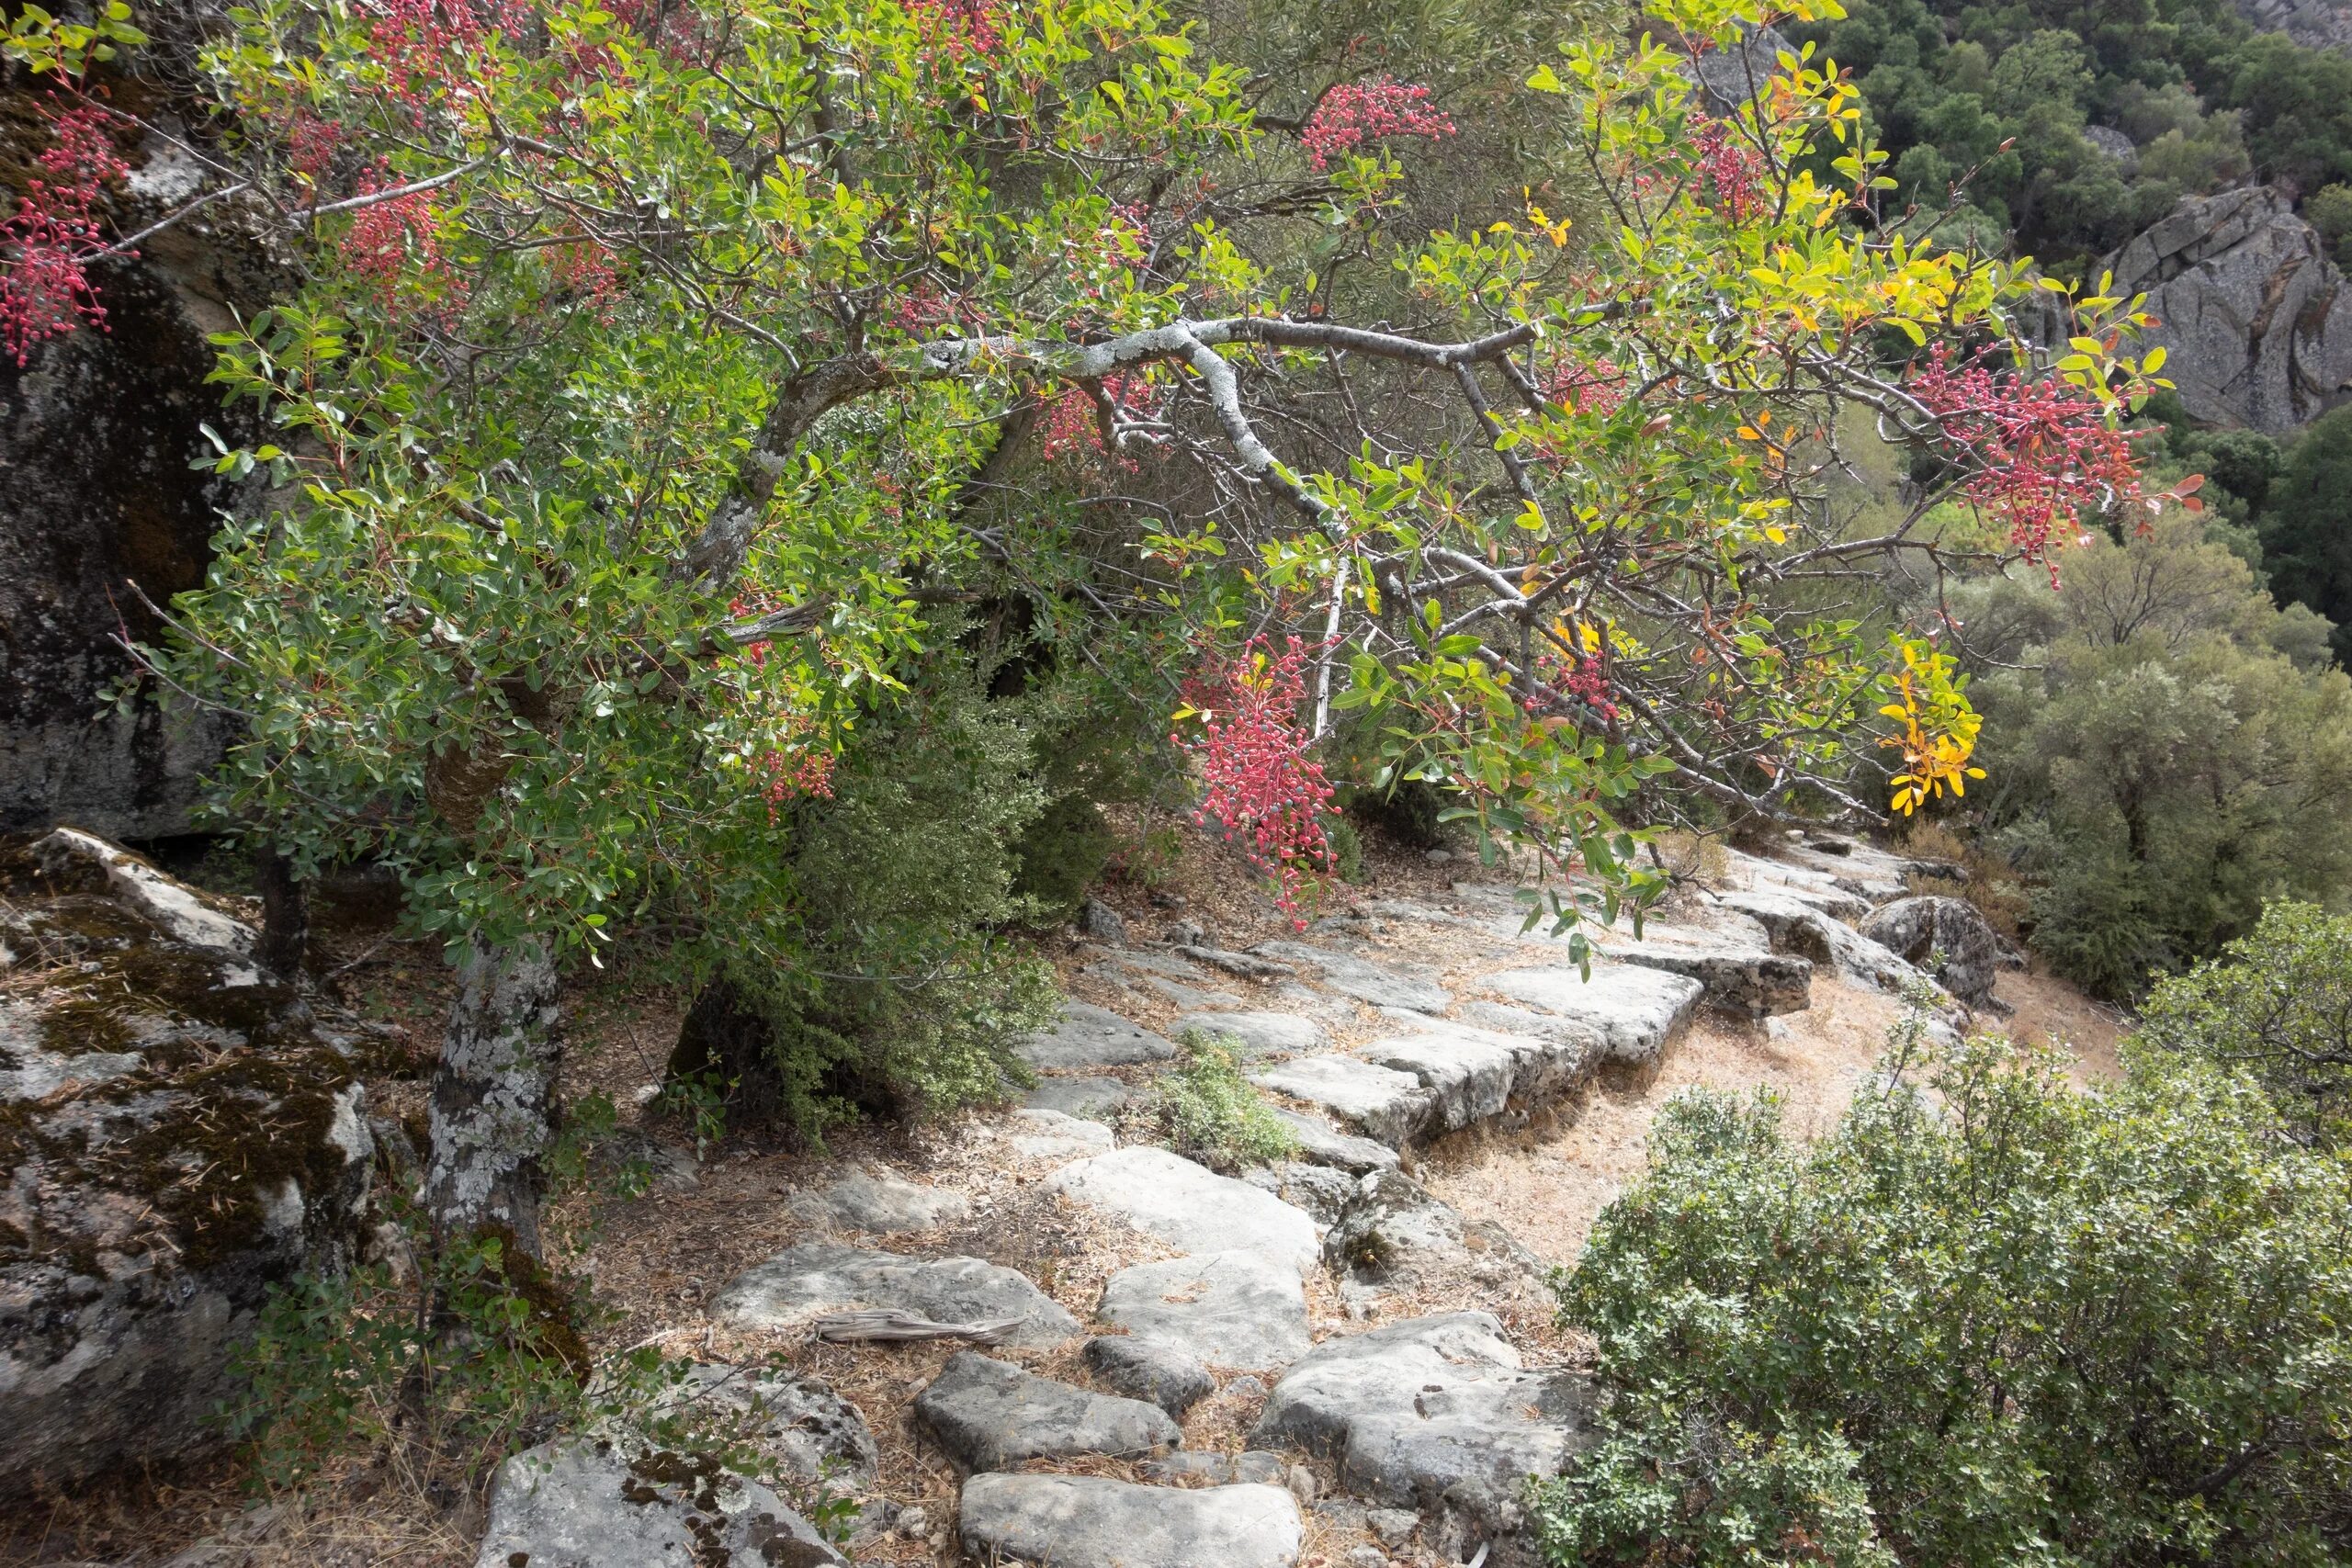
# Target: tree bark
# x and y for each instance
(285, 916)
(493, 1111)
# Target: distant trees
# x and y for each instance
(2305, 524)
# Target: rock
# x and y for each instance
(1192, 998)
(880, 1202)
(1797, 927)
(576, 1504)
(1321, 1190)
(1301, 1482)
(1237, 1310)
(1242, 965)
(1255, 1033)
(179, 1134)
(1323, 1143)
(1377, 983)
(1470, 1078)
(2113, 145)
(989, 1415)
(1806, 884)
(1101, 922)
(1394, 1231)
(1752, 983)
(1079, 1521)
(1394, 1527)
(821, 1277)
(1728, 78)
(812, 1435)
(1381, 1102)
(1254, 1467)
(1050, 1134)
(1149, 1369)
(1077, 1096)
(1189, 1206)
(1430, 1412)
(1089, 1037)
(1947, 938)
(2255, 317)
(2314, 24)
(1365, 1557)
(1634, 1011)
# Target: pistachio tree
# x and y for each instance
(662, 367)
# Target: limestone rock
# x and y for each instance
(1149, 1369)
(1241, 965)
(2256, 320)
(1797, 927)
(1380, 985)
(1947, 938)
(1728, 78)
(1253, 1466)
(989, 1415)
(1089, 1037)
(1189, 1206)
(2314, 24)
(1634, 1011)
(1050, 1134)
(576, 1504)
(1101, 922)
(1752, 982)
(1077, 1096)
(1255, 1033)
(1322, 1189)
(178, 1133)
(1381, 1102)
(810, 1434)
(1432, 1413)
(1395, 1231)
(1079, 1521)
(821, 1277)
(1227, 1309)
(879, 1203)
(1323, 1143)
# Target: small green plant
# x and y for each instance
(1213, 1115)
(1347, 849)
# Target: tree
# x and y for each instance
(1992, 1319)
(663, 371)
(2306, 523)
(2280, 1001)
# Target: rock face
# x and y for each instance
(1634, 1011)
(821, 1277)
(2317, 24)
(989, 1415)
(1079, 1521)
(1395, 1231)
(2256, 320)
(588, 1505)
(1947, 938)
(177, 1134)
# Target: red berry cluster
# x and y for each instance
(50, 242)
(1586, 385)
(959, 30)
(792, 775)
(588, 268)
(1375, 109)
(1570, 680)
(1732, 169)
(1073, 426)
(399, 235)
(1262, 789)
(2044, 448)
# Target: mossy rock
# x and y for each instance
(178, 1132)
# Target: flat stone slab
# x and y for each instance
(1089, 1037)
(1189, 1206)
(1080, 1521)
(1147, 1368)
(1238, 1310)
(1381, 985)
(799, 1424)
(1076, 1096)
(1050, 1134)
(1217, 1468)
(1319, 1142)
(989, 1415)
(1381, 1102)
(1322, 1190)
(880, 1202)
(1470, 1079)
(1753, 982)
(1257, 1033)
(1634, 1011)
(821, 1277)
(1392, 1229)
(578, 1504)
(1414, 1410)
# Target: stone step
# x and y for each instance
(1381, 985)
(989, 1415)
(818, 1277)
(1634, 1011)
(1083, 1521)
(1089, 1037)
(1189, 1206)
(1237, 1310)
(1257, 1033)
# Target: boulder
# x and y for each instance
(1101, 922)
(989, 1415)
(1394, 1231)
(2255, 318)
(1080, 1521)
(1227, 1309)
(1728, 78)
(1381, 1102)
(179, 1132)
(580, 1503)
(1945, 937)
(1434, 1413)
(879, 1203)
(1255, 1033)
(1795, 926)
(1379, 985)
(1634, 1011)
(1149, 1369)
(821, 1277)
(1189, 1206)
(1089, 1037)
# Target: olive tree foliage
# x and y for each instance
(661, 371)
(2278, 1002)
(1992, 1318)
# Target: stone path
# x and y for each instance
(1404, 1440)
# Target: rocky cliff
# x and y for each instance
(2256, 320)
(2318, 24)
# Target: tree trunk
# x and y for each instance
(285, 916)
(493, 1111)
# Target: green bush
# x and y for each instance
(1211, 1113)
(2280, 1001)
(1347, 849)
(1991, 1320)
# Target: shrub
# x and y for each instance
(1213, 1115)
(2280, 1001)
(1990, 1320)
(1347, 849)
